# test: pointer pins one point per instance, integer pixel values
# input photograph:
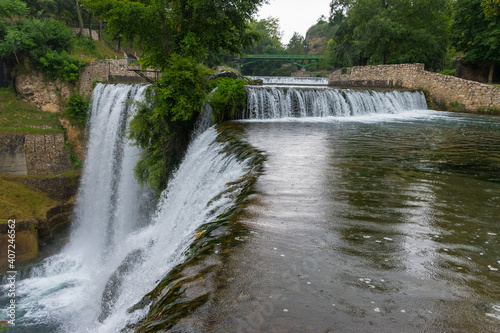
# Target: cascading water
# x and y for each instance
(272, 102)
(118, 251)
(287, 80)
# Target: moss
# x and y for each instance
(455, 106)
(494, 111)
(18, 201)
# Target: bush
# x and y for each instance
(58, 65)
(77, 108)
(450, 72)
(44, 41)
(229, 98)
(162, 124)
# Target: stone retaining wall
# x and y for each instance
(447, 89)
(111, 71)
(33, 154)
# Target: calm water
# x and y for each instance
(376, 224)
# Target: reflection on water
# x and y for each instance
(379, 226)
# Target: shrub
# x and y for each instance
(77, 108)
(229, 98)
(162, 123)
(450, 72)
(57, 64)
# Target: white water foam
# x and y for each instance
(287, 80)
(276, 102)
(117, 252)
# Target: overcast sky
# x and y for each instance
(295, 15)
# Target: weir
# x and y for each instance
(273, 102)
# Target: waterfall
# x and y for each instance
(296, 81)
(119, 247)
(272, 102)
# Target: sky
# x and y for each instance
(295, 15)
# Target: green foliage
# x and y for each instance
(491, 7)
(297, 44)
(77, 108)
(229, 98)
(451, 72)
(58, 65)
(13, 8)
(190, 28)
(268, 42)
(390, 31)
(456, 106)
(162, 123)
(73, 157)
(44, 42)
(475, 34)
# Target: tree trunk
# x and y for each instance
(383, 59)
(90, 25)
(492, 69)
(100, 31)
(80, 20)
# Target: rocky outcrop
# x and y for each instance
(44, 94)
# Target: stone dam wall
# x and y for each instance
(443, 89)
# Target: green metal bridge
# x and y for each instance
(300, 60)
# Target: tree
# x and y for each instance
(186, 27)
(297, 44)
(396, 31)
(12, 8)
(491, 7)
(269, 42)
(176, 35)
(477, 35)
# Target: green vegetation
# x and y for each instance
(390, 31)
(177, 40)
(17, 115)
(20, 202)
(229, 98)
(77, 109)
(476, 34)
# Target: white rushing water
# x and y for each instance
(118, 251)
(287, 80)
(273, 102)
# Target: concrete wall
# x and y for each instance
(33, 154)
(442, 88)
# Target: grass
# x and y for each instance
(19, 202)
(18, 116)
(89, 51)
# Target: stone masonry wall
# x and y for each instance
(111, 70)
(442, 88)
(35, 154)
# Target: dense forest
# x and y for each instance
(437, 33)
(356, 32)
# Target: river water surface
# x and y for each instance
(383, 223)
